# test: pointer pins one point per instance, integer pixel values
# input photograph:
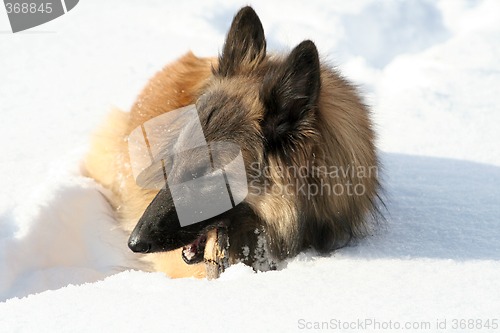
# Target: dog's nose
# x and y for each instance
(139, 246)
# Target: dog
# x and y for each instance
(307, 143)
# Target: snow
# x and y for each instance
(429, 70)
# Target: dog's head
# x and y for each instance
(267, 107)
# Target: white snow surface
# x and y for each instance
(430, 71)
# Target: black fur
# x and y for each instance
(290, 95)
(245, 43)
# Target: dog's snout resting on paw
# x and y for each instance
(303, 140)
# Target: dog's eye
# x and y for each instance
(210, 114)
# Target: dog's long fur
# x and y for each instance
(284, 111)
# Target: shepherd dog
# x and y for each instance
(306, 139)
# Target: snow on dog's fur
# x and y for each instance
(305, 136)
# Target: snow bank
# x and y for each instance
(63, 233)
(341, 289)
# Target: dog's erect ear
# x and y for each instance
(290, 95)
(245, 45)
